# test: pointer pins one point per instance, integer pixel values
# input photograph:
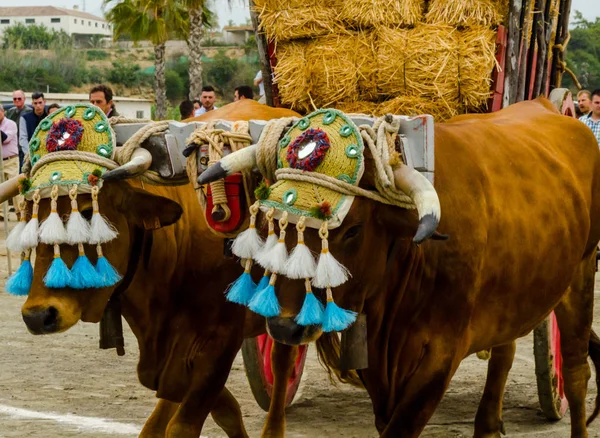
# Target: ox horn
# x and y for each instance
(10, 188)
(230, 164)
(423, 194)
(140, 162)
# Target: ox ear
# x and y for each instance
(145, 209)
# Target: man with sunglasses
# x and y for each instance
(15, 113)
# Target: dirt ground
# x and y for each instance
(64, 386)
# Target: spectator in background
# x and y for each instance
(584, 98)
(258, 81)
(31, 120)
(53, 107)
(15, 113)
(102, 97)
(10, 148)
(207, 99)
(592, 119)
(197, 105)
(243, 92)
(186, 109)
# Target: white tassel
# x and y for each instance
(330, 272)
(101, 230)
(13, 241)
(271, 238)
(29, 237)
(275, 259)
(78, 229)
(52, 230)
(301, 263)
(248, 243)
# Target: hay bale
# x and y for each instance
(292, 74)
(358, 107)
(285, 21)
(477, 59)
(418, 61)
(337, 65)
(415, 105)
(466, 13)
(388, 13)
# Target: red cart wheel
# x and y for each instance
(256, 353)
(548, 369)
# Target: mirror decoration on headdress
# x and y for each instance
(318, 152)
(69, 151)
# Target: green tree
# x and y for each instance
(154, 20)
(583, 53)
(201, 17)
(33, 36)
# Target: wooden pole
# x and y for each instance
(512, 50)
(263, 55)
(562, 33)
(547, 36)
(532, 54)
(526, 26)
(542, 16)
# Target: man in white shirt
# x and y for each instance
(258, 81)
(207, 99)
(10, 148)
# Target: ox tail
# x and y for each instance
(328, 349)
(594, 352)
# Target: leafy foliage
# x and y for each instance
(95, 54)
(583, 53)
(33, 36)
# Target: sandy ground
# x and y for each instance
(64, 386)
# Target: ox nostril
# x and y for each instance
(40, 321)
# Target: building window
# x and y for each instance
(29, 20)
(4, 21)
(139, 114)
(55, 20)
(75, 20)
(82, 22)
(89, 23)
(96, 24)
(102, 26)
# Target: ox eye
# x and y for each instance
(87, 213)
(352, 232)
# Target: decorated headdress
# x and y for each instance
(68, 153)
(319, 165)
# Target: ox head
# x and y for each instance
(333, 188)
(79, 258)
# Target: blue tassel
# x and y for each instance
(264, 302)
(108, 275)
(312, 309)
(241, 290)
(58, 275)
(84, 275)
(264, 281)
(20, 282)
(337, 319)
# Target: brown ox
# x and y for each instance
(188, 334)
(520, 195)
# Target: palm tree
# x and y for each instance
(201, 17)
(154, 20)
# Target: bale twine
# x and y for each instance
(466, 13)
(389, 13)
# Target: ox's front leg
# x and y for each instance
(488, 421)
(211, 369)
(227, 414)
(157, 423)
(423, 387)
(283, 359)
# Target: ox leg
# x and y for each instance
(205, 388)
(156, 424)
(488, 421)
(419, 395)
(574, 315)
(227, 414)
(283, 359)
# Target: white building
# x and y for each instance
(129, 107)
(74, 22)
(237, 35)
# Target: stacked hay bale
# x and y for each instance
(378, 56)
